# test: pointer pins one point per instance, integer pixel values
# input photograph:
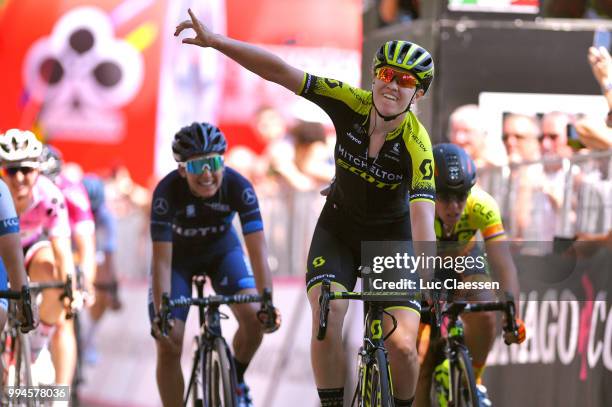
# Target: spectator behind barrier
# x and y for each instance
(279, 155)
(312, 157)
(548, 198)
(466, 129)
(520, 137)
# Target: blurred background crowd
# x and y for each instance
(532, 111)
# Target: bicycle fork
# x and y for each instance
(443, 374)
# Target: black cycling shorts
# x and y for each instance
(335, 250)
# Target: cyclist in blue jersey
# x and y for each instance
(106, 283)
(383, 190)
(12, 265)
(192, 233)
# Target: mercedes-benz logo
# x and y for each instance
(248, 196)
(160, 206)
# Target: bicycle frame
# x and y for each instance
(454, 340)
(373, 338)
(210, 328)
(210, 320)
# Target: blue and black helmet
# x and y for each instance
(198, 139)
(455, 171)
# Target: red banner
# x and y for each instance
(83, 74)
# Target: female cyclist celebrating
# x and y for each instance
(383, 188)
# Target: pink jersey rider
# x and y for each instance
(47, 215)
(79, 209)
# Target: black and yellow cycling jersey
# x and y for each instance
(372, 190)
(481, 213)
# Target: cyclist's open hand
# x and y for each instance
(203, 36)
(517, 336)
(270, 318)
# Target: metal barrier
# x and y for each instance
(553, 197)
(289, 220)
(536, 205)
(539, 200)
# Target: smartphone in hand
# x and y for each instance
(601, 38)
(573, 140)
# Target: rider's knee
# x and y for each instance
(335, 317)
(486, 321)
(42, 263)
(403, 348)
(252, 327)
(169, 349)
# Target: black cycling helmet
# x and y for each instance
(408, 56)
(51, 161)
(197, 139)
(455, 171)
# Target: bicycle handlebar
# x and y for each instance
(325, 297)
(66, 294)
(26, 309)
(507, 307)
(214, 300)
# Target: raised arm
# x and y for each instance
(257, 60)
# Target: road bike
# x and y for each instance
(374, 385)
(213, 380)
(454, 384)
(15, 352)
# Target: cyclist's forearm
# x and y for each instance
(423, 232)
(260, 61)
(62, 251)
(86, 249)
(12, 256)
(161, 273)
(503, 268)
(258, 255)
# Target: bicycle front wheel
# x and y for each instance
(463, 383)
(380, 394)
(20, 369)
(219, 376)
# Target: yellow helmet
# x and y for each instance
(408, 56)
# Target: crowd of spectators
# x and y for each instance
(545, 177)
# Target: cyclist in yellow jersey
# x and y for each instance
(383, 189)
(463, 211)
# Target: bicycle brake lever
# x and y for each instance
(323, 309)
(26, 301)
(510, 311)
(164, 313)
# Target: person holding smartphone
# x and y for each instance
(595, 134)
